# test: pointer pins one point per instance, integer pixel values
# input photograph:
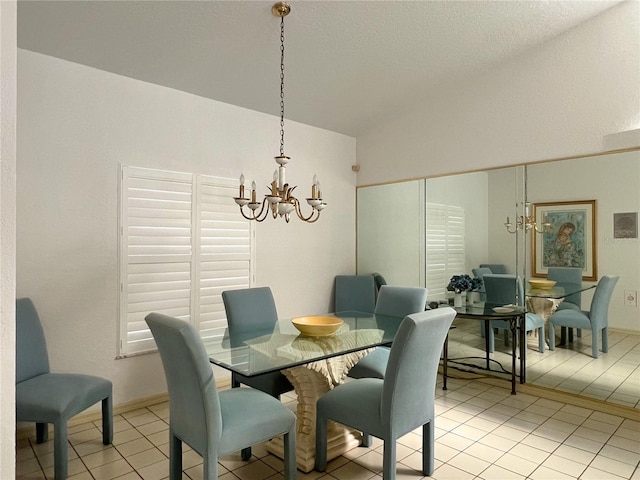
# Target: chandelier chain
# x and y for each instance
(282, 86)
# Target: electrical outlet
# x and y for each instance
(630, 298)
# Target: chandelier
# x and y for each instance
(280, 200)
(527, 222)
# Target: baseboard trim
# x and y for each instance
(28, 429)
(571, 399)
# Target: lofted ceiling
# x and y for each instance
(348, 64)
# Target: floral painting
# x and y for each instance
(568, 240)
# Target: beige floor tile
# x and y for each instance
(155, 471)
(495, 472)
(134, 446)
(145, 458)
(257, 470)
(469, 463)
(111, 470)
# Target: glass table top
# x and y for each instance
(256, 352)
(559, 290)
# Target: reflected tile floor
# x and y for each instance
(482, 432)
(613, 376)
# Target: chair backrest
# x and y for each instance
(599, 314)
(250, 309)
(194, 405)
(355, 293)
(410, 378)
(32, 358)
(501, 289)
(495, 267)
(480, 272)
(379, 280)
(567, 277)
(396, 301)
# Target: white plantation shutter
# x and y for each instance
(445, 246)
(182, 242)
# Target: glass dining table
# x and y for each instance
(541, 301)
(313, 365)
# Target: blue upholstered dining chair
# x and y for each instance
(213, 423)
(479, 273)
(596, 319)
(254, 310)
(501, 290)
(498, 268)
(568, 277)
(379, 280)
(393, 301)
(355, 293)
(44, 397)
(402, 402)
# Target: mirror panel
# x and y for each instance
(393, 221)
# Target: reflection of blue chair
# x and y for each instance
(479, 273)
(393, 302)
(501, 290)
(253, 309)
(402, 402)
(43, 397)
(355, 293)
(211, 423)
(596, 320)
(569, 278)
(499, 268)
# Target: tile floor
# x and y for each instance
(613, 376)
(482, 432)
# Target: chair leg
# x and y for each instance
(60, 446)
(594, 344)
(107, 420)
(209, 468)
(42, 432)
(321, 443)
(570, 331)
(290, 467)
(366, 441)
(427, 449)
(175, 458)
(579, 332)
(389, 459)
(552, 336)
(541, 339)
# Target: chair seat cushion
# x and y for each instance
(568, 306)
(357, 404)
(571, 318)
(249, 417)
(372, 365)
(50, 397)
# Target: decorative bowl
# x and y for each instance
(317, 326)
(542, 284)
(505, 309)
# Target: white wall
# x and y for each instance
(559, 100)
(75, 125)
(7, 236)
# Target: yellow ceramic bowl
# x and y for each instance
(542, 284)
(317, 326)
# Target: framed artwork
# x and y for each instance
(570, 240)
(625, 225)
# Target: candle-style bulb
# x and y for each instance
(242, 179)
(253, 185)
(315, 179)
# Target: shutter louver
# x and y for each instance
(445, 246)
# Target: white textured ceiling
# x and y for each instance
(348, 64)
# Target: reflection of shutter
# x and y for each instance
(167, 269)
(445, 246)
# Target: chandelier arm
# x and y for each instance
(257, 216)
(302, 217)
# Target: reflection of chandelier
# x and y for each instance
(280, 200)
(527, 222)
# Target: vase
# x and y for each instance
(459, 299)
(473, 298)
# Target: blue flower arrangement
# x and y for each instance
(463, 283)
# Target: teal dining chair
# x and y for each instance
(596, 319)
(501, 289)
(44, 397)
(570, 278)
(498, 268)
(402, 402)
(393, 301)
(254, 310)
(213, 423)
(355, 293)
